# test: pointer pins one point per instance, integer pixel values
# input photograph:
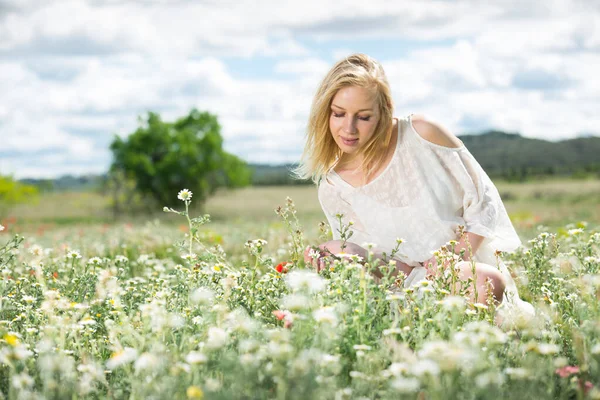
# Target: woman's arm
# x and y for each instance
(469, 242)
(335, 247)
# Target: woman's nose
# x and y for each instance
(349, 125)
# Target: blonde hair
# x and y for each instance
(321, 153)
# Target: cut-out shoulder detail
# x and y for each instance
(433, 133)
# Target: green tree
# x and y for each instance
(164, 157)
(13, 192)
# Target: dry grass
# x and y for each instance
(553, 203)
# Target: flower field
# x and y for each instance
(155, 312)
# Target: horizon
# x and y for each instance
(74, 76)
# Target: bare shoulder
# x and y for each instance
(434, 132)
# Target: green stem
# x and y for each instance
(187, 215)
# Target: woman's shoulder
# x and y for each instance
(433, 132)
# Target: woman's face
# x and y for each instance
(353, 118)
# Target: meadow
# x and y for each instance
(162, 305)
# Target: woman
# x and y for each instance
(403, 178)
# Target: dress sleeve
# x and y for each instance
(484, 213)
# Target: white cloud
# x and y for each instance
(77, 72)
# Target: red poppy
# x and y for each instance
(282, 267)
(55, 275)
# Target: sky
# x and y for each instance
(73, 74)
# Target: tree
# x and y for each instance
(13, 192)
(163, 158)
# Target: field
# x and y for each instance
(97, 307)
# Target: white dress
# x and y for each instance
(422, 196)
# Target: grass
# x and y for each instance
(552, 203)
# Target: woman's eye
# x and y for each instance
(338, 115)
(364, 118)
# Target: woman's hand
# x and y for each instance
(431, 266)
(327, 251)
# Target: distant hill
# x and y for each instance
(68, 182)
(505, 155)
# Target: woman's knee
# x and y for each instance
(485, 273)
(494, 278)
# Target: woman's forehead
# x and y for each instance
(354, 97)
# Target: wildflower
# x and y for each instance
(425, 367)
(11, 339)
(517, 373)
(87, 321)
(28, 299)
(489, 378)
(95, 261)
(146, 361)
(282, 268)
(453, 302)
(325, 314)
(121, 259)
(194, 392)
(22, 380)
(595, 349)
(587, 386)
(405, 385)
(202, 295)
(184, 195)
(567, 371)
(305, 280)
(546, 348)
(36, 250)
(574, 232)
(255, 246)
(121, 357)
(217, 338)
(1, 228)
(189, 257)
(195, 357)
(73, 254)
(279, 314)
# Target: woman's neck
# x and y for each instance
(351, 162)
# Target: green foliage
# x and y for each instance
(164, 157)
(13, 192)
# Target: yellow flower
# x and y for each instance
(12, 340)
(194, 392)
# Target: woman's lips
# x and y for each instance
(349, 142)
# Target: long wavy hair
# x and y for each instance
(321, 153)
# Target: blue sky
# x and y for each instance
(75, 73)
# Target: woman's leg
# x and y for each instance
(484, 273)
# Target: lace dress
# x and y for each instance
(423, 195)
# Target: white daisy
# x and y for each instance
(184, 195)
